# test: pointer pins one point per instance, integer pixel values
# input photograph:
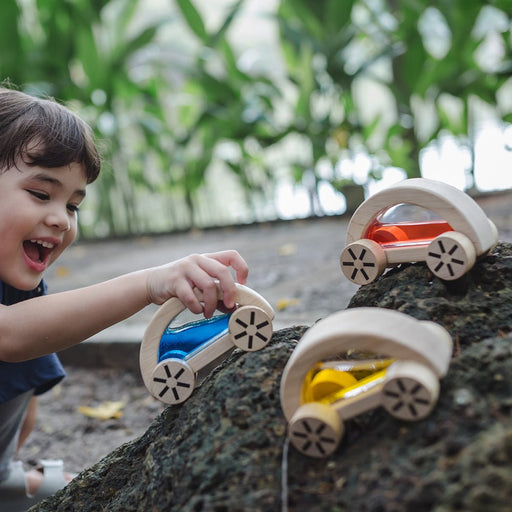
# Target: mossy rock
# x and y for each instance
(226, 449)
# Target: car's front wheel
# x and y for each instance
(250, 328)
(450, 255)
(315, 429)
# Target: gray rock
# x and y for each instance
(476, 306)
(225, 449)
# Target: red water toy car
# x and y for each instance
(416, 220)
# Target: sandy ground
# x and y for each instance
(293, 264)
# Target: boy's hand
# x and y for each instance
(179, 278)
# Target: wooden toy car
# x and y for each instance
(416, 220)
(355, 360)
(174, 360)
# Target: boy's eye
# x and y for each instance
(43, 196)
(40, 195)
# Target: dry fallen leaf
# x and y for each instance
(62, 271)
(285, 303)
(104, 411)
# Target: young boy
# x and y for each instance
(47, 159)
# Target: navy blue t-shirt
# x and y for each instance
(39, 374)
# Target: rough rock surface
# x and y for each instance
(225, 449)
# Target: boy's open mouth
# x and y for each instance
(38, 250)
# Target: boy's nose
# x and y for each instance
(59, 220)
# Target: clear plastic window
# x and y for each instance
(187, 333)
(406, 224)
(331, 381)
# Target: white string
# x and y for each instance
(284, 476)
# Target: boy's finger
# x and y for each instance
(210, 297)
(185, 293)
(232, 259)
(208, 270)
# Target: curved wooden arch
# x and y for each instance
(377, 330)
(451, 204)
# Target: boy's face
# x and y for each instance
(38, 219)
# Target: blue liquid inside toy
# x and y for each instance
(184, 341)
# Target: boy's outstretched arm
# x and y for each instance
(54, 322)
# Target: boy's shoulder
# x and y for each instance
(10, 295)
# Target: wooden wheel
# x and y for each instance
(450, 255)
(363, 261)
(250, 328)
(315, 430)
(410, 391)
(172, 381)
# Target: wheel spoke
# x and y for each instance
(398, 405)
(243, 324)
(163, 392)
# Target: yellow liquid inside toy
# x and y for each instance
(333, 381)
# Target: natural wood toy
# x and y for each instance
(175, 359)
(355, 360)
(416, 220)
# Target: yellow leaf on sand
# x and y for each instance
(285, 303)
(62, 271)
(104, 411)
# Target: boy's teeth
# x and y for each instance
(48, 245)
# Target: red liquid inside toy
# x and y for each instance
(406, 233)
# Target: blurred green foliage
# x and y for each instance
(376, 77)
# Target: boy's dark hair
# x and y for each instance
(45, 133)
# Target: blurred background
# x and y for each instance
(219, 112)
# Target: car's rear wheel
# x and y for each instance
(250, 328)
(410, 391)
(363, 261)
(172, 381)
(315, 430)
(450, 255)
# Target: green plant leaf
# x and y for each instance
(193, 19)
